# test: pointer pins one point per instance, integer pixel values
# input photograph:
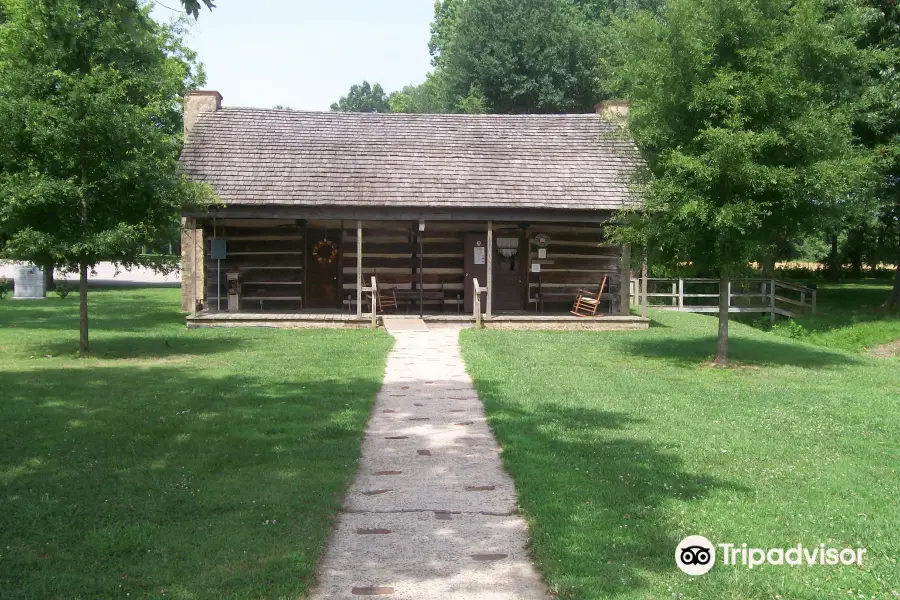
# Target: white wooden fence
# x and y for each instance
(767, 296)
(373, 290)
(476, 304)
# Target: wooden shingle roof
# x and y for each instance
(275, 157)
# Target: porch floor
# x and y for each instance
(337, 319)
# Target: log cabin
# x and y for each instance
(313, 205)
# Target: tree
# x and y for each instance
(603, 11)
(521, 56)
(443, 29)
(90, 132)
(743, 113)
(363, 98)
(880, 130)
(424, 98)
(888, 245)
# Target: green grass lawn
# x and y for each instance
(172, 463)
(623, 443)
(849, 317)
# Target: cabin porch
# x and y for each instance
(318, 273)
(337, 319)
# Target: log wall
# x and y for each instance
(577, 258)
(270, 256)
(391, 252)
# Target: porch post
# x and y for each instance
(644, 289)
(359, 273)
(421, 269)
(194, 271)
(490, 268)
(625, 282)
(191, 246)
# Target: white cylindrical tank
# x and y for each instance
(29, 282)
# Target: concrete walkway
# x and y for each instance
(432, 513)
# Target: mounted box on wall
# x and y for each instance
(218, 249)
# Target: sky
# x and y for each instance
(307, 53)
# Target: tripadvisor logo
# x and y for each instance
(696, 555)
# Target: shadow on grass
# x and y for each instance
(594, 493)
(692, 351)
(655, 324)
(147, 346)
(165, 482)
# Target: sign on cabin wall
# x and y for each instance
(542, 240)
(479, 254)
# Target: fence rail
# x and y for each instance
(373, 290)
(701, 295)
(476, 304)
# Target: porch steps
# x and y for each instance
(393, 324)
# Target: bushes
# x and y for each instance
(789, 328)
(62, 289)
(5, 287)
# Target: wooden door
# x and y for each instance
(476, 268)
(323, 264)
(509, 274)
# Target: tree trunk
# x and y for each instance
(722, 343)
(856, 267)
(767, 266)
(83, 308)
(84, 346)
(834, 261)
(49, 284)
(893, 300)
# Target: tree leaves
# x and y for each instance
(743, 112)
(363, 98)
(192, 7)
(90, 122)
(520, 55)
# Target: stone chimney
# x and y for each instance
(197, 103)
(193, 272)
(614, 110)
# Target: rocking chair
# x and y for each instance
(387, 300)
(587, 303)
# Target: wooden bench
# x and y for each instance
(388, 284)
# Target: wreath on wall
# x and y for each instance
(325, 252)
